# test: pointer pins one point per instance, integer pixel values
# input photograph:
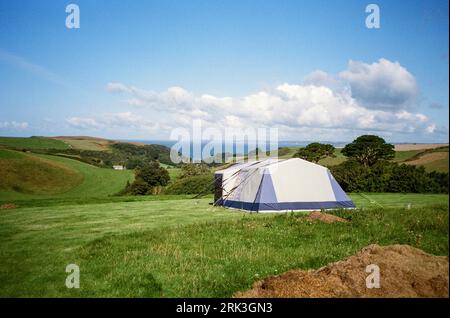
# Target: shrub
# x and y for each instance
(149, 178)
(193, 169)
(192, 185)
(389, 177)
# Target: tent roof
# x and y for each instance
(267, 164)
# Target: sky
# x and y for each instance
(141, 69)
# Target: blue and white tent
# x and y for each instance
(274, 185)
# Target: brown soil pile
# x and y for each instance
(8, 206)
(404, 272)
(324, 217)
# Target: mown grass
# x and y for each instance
(33, 143)
(187, 248)
(43, 171)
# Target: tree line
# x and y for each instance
(368, 168)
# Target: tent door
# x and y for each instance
(218, 189)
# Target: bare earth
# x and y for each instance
(324, 217)
(405, 271)
(407, 147)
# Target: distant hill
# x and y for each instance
(92, 150)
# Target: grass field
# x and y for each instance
(189, 248)
(33, 143)
(31, 176)
(173, 245)
(405, 155)
(86, 143)
(432, 159)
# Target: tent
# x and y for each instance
(275, 185)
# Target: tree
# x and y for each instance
(193, 169)
(149, 176)
(315, 151)
(368, 150)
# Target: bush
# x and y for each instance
(192, 185)
(389, 177)
(149, 179)
(193, 169)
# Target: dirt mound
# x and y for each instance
(404, 272)
(324, 217)
(8, 206)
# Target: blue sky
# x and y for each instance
(139, 69)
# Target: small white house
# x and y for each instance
(119, 167)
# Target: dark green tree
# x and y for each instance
(193, 169)
(315, 152)
(149, 176)
(368, 150)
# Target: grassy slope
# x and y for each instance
(95, 182)
(432, 160)
(33, 143)
(87, 145)
(179, 247)
(401, 156)
(339, 158)
(440, 165)
(33, 175)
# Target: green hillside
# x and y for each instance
(29, 176)
(33, 143)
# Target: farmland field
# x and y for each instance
(433, 161)
(188, 248)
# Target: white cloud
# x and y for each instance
(365, 98)
(286, 105)
(381, 85)
(13, 125)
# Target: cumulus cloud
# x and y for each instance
(13, 125)
(381, 85)
(364, 98)
(287, 105)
